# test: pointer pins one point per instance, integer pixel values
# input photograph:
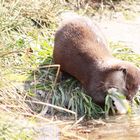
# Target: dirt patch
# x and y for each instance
(127, 32)
(122, 24)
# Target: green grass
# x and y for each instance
(12, 129)
(27, 74)
(123, 52)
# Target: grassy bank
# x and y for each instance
(29, 92)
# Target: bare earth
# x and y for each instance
(124, 31)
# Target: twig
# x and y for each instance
(7, 53)
(57, 73)
(54, 106)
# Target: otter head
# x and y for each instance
(125, 77)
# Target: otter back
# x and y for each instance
(84, 54)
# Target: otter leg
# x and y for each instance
(65, 75)
(99, 98)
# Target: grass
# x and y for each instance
(121, 51)
(16, 130)
(28, 85)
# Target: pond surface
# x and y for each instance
(119, 127)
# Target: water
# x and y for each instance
(118, 127)
(121, 127)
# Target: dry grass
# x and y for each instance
(29, 93)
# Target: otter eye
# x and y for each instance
(127, 87)
(131, 87)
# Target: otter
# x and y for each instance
(83, 52)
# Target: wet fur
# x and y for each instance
(83, 53)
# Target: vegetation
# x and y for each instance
(28, 87)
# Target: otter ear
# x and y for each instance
(124, 72)
(118, 68)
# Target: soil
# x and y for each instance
(127, 32)
(122, 25)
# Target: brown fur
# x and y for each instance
(83, 54)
